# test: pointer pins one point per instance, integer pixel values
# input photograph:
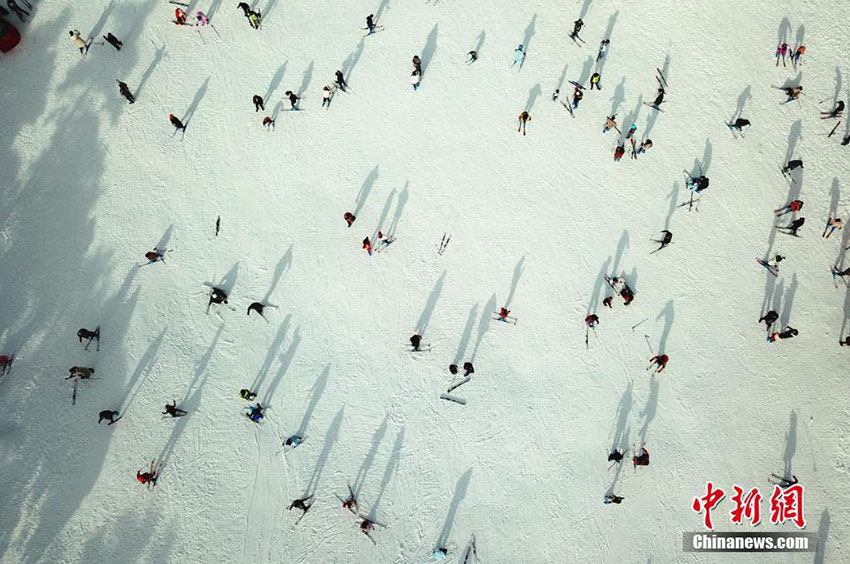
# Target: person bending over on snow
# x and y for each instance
(468, 369)
(301, 504)
(247, 394)
(172, 410)
(615, 455)
(660, 361)
(769, 318)
(81, 372)
(416, 341)
(611, 498)
(845, 342)
(642, 459)
(792, 229)
(255, 413)
(108, 415)
(258, 103)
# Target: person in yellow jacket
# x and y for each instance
(523, 119)
(81, 44)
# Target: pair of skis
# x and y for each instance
(770, 268)
(510, 319)
(372, 31)
(835, 277)
(587, 336)
(444, 243)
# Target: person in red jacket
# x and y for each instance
(367, 245)
(349, 218)
(794, 206)
(179, 16)
(592, 320)
(619, 152)
(642, 459)
(660, 361)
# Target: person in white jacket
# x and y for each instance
(81, 44)
(415, 78)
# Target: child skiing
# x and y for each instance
(217, 296)
(523, 119)
(644, 146)
(415, 79)
(615, 456)
(603, 48)
(798, 52)
(611, 498)
(781, 51)
(179, 16)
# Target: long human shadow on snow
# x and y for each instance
(622, 245)
(363, 471)
(630, 119)
(479, 42)
(743, 98)
(784, 30)
(384, 213)
(612, 20)
(213, 9)
(460, 493)
(701, 166)
(318, 390)
(788, 302)
(160, 53)
(618, 98)
(823, 534)
(668, 314)
(305, 80)
(191, 401)
(140, 374)
(228, 281)
(518, 270)
(330, 438)
(283, 265)
(270, 356)
(275, 82)
(620, 439)
(529, 32)
(484, 324)
(533, 94)
(673, 196)
(838, 83)
(648, 413)
(790, 446)
(584, 9)
(380, 11)
(399, 209)
(389, 470)
(365, 189)
(430, 48)
(166, 238)
(562, 77)
(467, 334)
(351, 60)
(593, 304)
(794, 136)
(285, 361)
(586, 69)
(196, 101)
(98, 27)
(425, 317)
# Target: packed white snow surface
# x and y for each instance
(90, 183)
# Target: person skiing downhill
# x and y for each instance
(367, 245)
(660, 361)
(114, 41)
(798, 52)
(175, 121)
(84, 333)
(793, 93)
(739, 124)
(792, 165)
(611, 123)
(340, 81)
(603, 48)
(472, 56)
(81, 44)
(258, 103)
(615, 455)
(125, 91)
(108, 415)
(832, 224)
(468, 369)
(787, 333)
(174, 411)
(293, 441)
(255, 413)
(592, 320)
(578, 94)
(503, 314)
(254, 18)
(268, 123)
(659, 99)
(619, 152)
(370, 23)
(416, 341)
(415, 79)
(577, 25)
(781, 51)
(523, 119)
(179, 16)
(769, 319)
(156, 255)
(594, 81)
(793, 207)
(665, 240)
(611, 498)
(327, 96)
(519, 56)
(293, 100)
(301, 504)
(247, 394)
(81, 372)
(698, 183)
(792, 229)
(349, 218)
(642, 459)
(148, 478)
(259, 307)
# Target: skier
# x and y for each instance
(468, 369)
(112, 40)
(301, 504)
(577, 25)
(632, 130)
(665, 240)
(660, 361)
(366, 526)
(416, 341)
(327, 96)
(453, 369)
(781, 50)
(246, 9)
(81, 44)
(293, 441)
(792, 93)
(835, 112)
(349, 218)
(619, 152)
(523, 119)
(774, 262)
(84, 333)
(80, 372)
(340, 81)
(175, 121)
(172, 410)
(592, 320)
(439, 554)
(20, 12)
(611, 498)
(254, 19)
(625, 292)
(787, 333)
(417, 63)
(642, 459)
(555, 94)
(155, 255)
(832, 224)
(799, 52)
(793, 207)
(698, 183)
(578, 94)
(785, 482)
(350, 503)
(769, 319)
(370, 23)
(607, 302)
(739, 124)
(293, 99)
(659, 99)
(644, 146)
(594, 81)
(258, 103)
(259, 307)
(792, 229)
(472, 56)
(503, 314)
(845, 342)
(201, 19)
(108, 415)
(148, 477)
(603, 48)
(611, 123)
(217, 296)
(519, 56)
(415, 79)
(125, 91)
(247, 394)
(6, 363)
(179, 16)
(845, 141)
(792, 165)
(615, 455)
(367, 245)
(268, 123)
(255, 413)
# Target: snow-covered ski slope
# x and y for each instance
(90, 183)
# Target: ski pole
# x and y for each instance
(635, 325)
(647, 343)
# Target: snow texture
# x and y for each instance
(90, 183)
